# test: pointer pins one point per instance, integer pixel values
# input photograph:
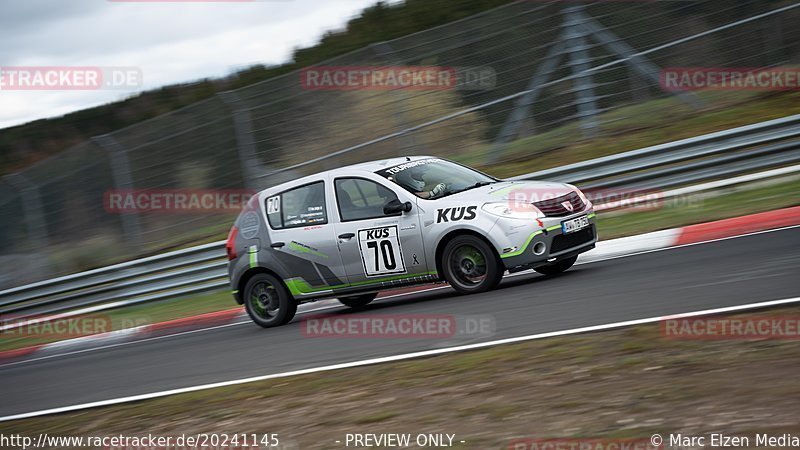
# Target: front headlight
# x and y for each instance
(513, 210)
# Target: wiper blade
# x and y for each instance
(476, 185)
(479, 184)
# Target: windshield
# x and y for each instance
(425, 175)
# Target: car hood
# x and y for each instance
(518, 191)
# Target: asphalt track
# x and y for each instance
(729, 272)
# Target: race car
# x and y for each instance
(352, 232)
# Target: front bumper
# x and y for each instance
(543, 245)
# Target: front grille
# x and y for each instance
(565, 241)
(554, 207)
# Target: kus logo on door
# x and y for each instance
(377, 233)
(456, 214)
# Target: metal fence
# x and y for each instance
(543, 66)
(203, 268)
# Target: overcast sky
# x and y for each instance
(169, 41)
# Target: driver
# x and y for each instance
(413, 180)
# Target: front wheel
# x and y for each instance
(358, 301)
(470, 265)
(268, 302)
(557, 267)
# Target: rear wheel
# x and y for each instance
(470, 265)
(357, 301)
(268, 302)
(557, 267)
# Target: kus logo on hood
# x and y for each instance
(456, 214)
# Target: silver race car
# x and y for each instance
(352, 232)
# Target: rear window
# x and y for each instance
(298, 207)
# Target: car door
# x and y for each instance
(376, 248)
(302, 239)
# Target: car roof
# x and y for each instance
(353, 169)
(374, 166)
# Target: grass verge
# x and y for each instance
(637, 126)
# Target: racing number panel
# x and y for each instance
(381, 251)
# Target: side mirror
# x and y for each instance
(396, 206)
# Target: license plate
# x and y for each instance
(573, 225)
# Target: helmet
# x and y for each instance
(411, 179)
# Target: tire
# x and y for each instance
(358, 301)
(557, 267)
(470, 265)
(268, 302)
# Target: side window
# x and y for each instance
(274, 212)
(298, 207)
(361, 199)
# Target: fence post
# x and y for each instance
(522, 106)
(32, 208)
(121, 172)
(639, 87)
(387, 54)
(580, 63)
(245, 144)
(638, 63)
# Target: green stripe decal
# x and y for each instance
(253, 256)
(300, 286)
(294, 286)
(504, 191)
(296, 246)
(524, 246)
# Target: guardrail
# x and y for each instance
(747, 149)
(655, 167)
(180, 272)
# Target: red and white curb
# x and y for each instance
(124, 335)
(642, 243)
(693, 234)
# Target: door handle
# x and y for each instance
(277, 244)
(347, 236)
